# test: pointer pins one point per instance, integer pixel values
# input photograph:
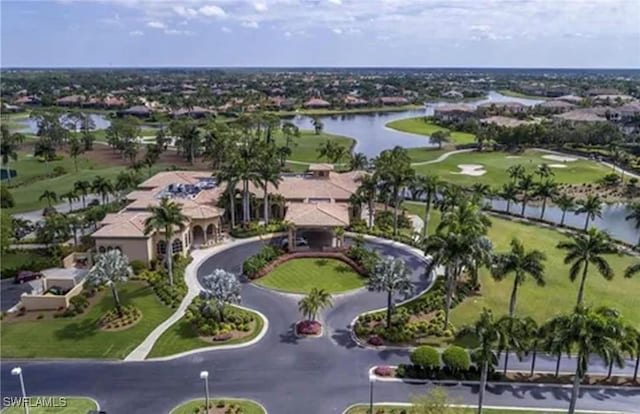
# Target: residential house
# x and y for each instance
(393, 100)
(555, 106)
(452, 94)
(316, 103)
(71, 100)
(585, 115)
(454, 113)
(503, 121)
(354, 102)
(502, 108)
(139, 111)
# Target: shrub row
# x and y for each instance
(205, 320)
(443, 373)
(254, 264)
(159, 281)
(255, 229)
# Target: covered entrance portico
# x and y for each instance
(317, 224)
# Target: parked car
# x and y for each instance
(300, 241)
(26, 276)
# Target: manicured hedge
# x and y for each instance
(426, 357)
(456, 358)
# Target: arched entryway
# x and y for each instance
(198, 236)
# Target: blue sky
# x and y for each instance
(463, 33)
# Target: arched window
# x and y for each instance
(176, 246)
(210, 229)
(161, 247)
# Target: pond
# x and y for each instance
(30, 126)
(371, 133)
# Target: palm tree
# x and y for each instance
(358, 161)
(289, 130)
(512, 337)
(82, 188)
(522, 264)
(428, 184)
(488, 333)
(439, 137)
(634, 214)
(70, 196)
(585, 249)
(531, 337)
(516, 172)
(591, 206)
(50, 196)
(103, 187)
(590, 332)
(367, 191)
(229, 175)
(315, 301)
(110, 268)
(165, 217)
(526, 185)
(9, 144)
(544, 171)
(509, 194)
(268, 171)
(633, 269)
(390, 276)
(317, 125)
(395, 169)
(565, 203)
(546, 189)
(75, 150)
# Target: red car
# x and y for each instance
(26, 276)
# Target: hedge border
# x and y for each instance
(307, 255)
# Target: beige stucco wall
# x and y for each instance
(41, 302)
(134, 249)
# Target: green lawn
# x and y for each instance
(67, 406)
(420, 154)
(197, 406)
(418, 125)
(514, 94)
(559, 294)
(305, 147)
(79, 337)
(388, 409)
(33, 178)
(497, 163)
(301, 275)
(181, 337)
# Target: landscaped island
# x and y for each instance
(55, 405)
(220, 406)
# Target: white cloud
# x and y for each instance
(252, 24)
(225, 29)
(136, 33)
(156, 25)
(212, 11)
(335, 2)
(174, 32)
(260, 6)
(185, 11)
(337, 30)
(287, 34)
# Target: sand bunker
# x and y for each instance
(474, 170)
(560, 158)
(557, 166)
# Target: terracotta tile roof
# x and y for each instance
(320, 167)
(454, 108)
(335, 187)
(503, 121)
(163, 179)
(122, 225)
(581, 115)
(318, 214)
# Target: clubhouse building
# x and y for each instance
(316, 202)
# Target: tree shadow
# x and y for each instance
(290, 336)
(77, 330)
(342, 337)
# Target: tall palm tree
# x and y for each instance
(9, 144)
(584, 249)
(82, 188)
(488, 333)
(229, 176)
(367, 191)
(75, 150)
(289, 130)
(313, 302)
(358, 161)
(634, 215)
(548, 343)
(515, 172)
(523, 264)
(509, 194)
(565, 203)
(512, 337)
(546, 189)
(395, 169)
(70, 196)
(527, 186)
(428, 184)
(390, 276)
(591, 206)
(544, 171)
(50, 196)
(103, 187)
(245, 166)
(590, 332)
(166, 216)
(531, 339)
(268, 171)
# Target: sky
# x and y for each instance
(287, 33)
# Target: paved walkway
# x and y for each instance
(442, 157)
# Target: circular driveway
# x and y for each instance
(284, 373)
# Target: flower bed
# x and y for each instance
(420, 318)
(206, 322)
(159, 281)
(309, 328)
(112, 321)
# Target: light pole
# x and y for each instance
(204, 375)
(18, 371)
(372, 379)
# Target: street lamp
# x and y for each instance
(204, 375)
(18, 371)
(372, 379)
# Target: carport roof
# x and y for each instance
(318, 214)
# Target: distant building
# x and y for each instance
(393, 100)
(139, 111)
(316, 103)
(602, 91)
(570, 98)
(194, 112)
(503, 121)
(502, 107)
(587, 115)
(452, 95)
(556, 106)
(71, 100)
(459, 112)
(28, 100)
(355, 102)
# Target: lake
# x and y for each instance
(30, 126)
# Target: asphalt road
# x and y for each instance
(284, 373)
(10, 292)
